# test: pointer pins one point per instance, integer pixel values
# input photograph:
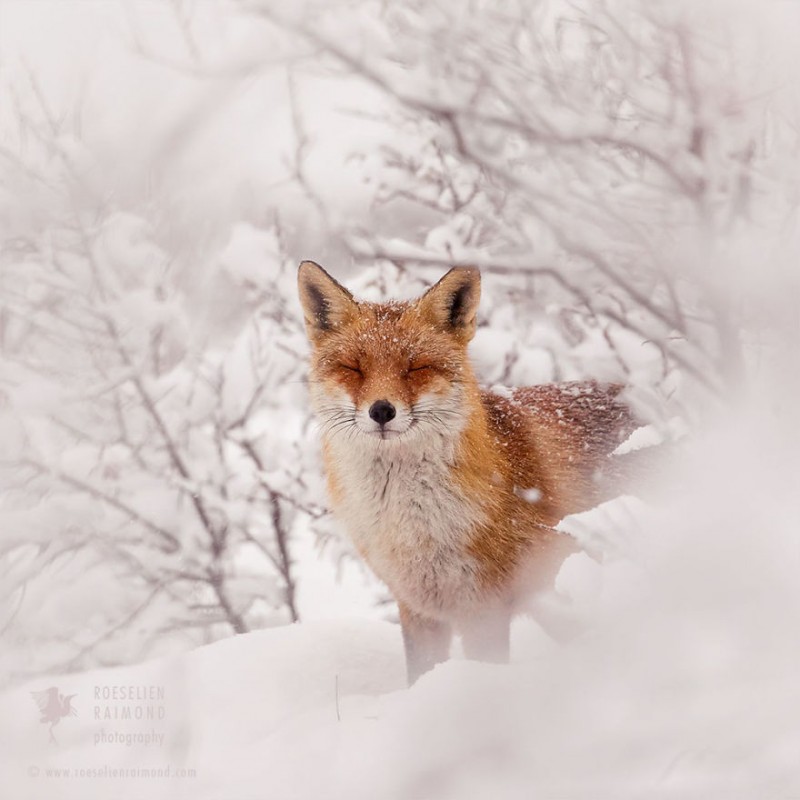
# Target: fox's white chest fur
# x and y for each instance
(411, 522)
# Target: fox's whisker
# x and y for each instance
(338, 424)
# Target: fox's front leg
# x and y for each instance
(427, 642)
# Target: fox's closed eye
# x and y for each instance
(420, 368)
(351, 368)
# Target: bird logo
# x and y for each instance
(53, 706)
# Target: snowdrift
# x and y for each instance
(666, 688)
(678, 679)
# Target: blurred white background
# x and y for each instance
(624, 172)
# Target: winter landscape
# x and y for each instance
(181, 615)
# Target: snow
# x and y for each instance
(332, 589)
(677, 678)
(646, 436)
(529, 495)
(651, 435)
(319, 710)
(502, 391)
(674, 674)
(609, 528)
(227, 709)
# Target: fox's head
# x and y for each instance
(390, 372)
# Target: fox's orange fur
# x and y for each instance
(453, 500)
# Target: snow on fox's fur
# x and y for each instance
(450, 493)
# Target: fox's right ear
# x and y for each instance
(452, 303)
(326, 303)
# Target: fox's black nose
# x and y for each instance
(382, 411)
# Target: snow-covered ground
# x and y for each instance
(679, 679)
(319, 710)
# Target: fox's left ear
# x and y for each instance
(326, 303)
(452, 303)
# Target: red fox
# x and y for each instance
(449, 492)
